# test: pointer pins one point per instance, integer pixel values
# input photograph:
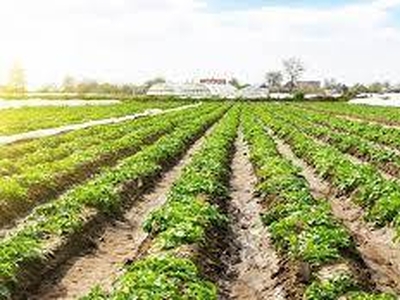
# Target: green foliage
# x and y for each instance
(188, 213)
(331, 289)
(159, 277)
(101, 194)
(368, 296)
(300, 225)
(379, 196)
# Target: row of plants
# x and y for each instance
(387, 115)
(106, 194)
(190, 211)
(302, 227)
(47, 149)
(41, 177)
(18, 120)
(369, 131)
(381, 157)
(363, 183)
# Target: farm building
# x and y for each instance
(203, 89)
(254, 92)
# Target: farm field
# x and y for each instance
(223, 200)
(18, 120)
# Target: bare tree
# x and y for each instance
(294, 69)
(274, 79)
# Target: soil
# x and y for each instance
(375, 246)
(253, 263)
(120, 242)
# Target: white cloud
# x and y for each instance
(131, 40)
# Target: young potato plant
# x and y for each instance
(190, 209)
(17, 120)
(385, 159)
(389, 115)
(301, 227)
(369, 131)
(183, 220)
(38, 180)
(380, 197)
(159, 277)
(342, 287)
(59, 219)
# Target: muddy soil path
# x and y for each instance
(376, 246)
(253, 263)
(120, 242)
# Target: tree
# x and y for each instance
(274, 79)
(294, 69)
(235, 82)
(69, 84)
(17, 79)
(331, 83)
(153, 81)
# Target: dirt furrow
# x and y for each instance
(120, 242)
(253, 263)
(376, 246)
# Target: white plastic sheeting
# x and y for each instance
(193, 90)
(8, 139)
(5, 104)
(379, 100)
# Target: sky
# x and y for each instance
(135, 40)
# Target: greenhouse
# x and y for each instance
(254, 92)
(193, 90)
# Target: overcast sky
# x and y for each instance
(133, 40)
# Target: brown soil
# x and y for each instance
(120, 242)
(376, 247)
(253, 263)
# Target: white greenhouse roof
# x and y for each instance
(193, 90)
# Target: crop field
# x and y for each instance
(218, 200)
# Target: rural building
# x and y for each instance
(205, 88)
(254, 92)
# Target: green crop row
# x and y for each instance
(38, 180)
(389, 115)
(373, 132)
(383, 158)
(189, 211)
(363, 183)
(54, 222)
(18, 120)
(301, 226)
(159, 277)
